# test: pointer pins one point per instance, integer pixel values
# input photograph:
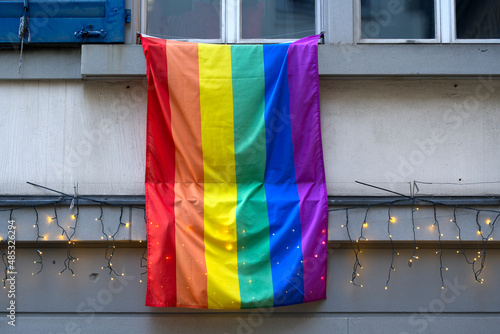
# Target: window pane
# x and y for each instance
(279, 19)
(183, 19)
(398, 19)
(478, 19)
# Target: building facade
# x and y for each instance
(409, 98)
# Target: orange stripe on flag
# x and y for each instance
(189, 189)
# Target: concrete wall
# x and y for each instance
(415, 303)
(384, 132)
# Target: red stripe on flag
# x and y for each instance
(160, 178)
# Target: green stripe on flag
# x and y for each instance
(254, 266)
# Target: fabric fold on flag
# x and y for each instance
(236, 202)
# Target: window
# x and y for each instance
(231, 21)
(429, 21)
(477, 20)
(390, 19)
(63, 21)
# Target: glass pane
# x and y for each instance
(398, 19)
(183, 19)
(279, 19)
(478, 19)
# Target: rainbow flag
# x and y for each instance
(235, 186)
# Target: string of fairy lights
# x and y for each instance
(477, 262)
(68, 234)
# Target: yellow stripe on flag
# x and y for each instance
(217, 132)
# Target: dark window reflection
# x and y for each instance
(183, 19)
(285, 19)
(398, 19)
(477, 19)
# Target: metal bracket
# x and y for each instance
(128, 15)
(84, 33)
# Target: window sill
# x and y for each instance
(118, 62)
(335, 61)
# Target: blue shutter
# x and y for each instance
(64, 21)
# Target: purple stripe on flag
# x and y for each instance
(309, 167)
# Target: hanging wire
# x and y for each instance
(38, 237)
(414, 227)
(363, 225)
(144, 260)
(440, 251)
(110, 248)
(70, 258)
(459, 236)
(481, 254)
(357, 264)
(390, 220)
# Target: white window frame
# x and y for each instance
(231, 24)
(454, 39)
(236, 36)
(437, 29)
(446, 28)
